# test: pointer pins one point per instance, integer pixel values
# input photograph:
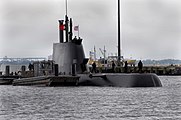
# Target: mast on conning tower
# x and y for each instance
(67, 26)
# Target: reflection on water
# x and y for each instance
(32, 103)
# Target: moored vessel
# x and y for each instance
(54, 81)
(7, 80)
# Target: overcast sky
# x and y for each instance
(151, 29)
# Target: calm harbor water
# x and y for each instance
(55, 103)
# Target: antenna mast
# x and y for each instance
(66, 7)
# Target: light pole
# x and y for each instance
(119, 37)
(119, 30)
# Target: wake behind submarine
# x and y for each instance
(69, 56)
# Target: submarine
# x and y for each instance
(68, 55)
(69, 67)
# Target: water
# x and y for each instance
(55, 103)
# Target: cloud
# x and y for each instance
(28, 27)
(150, 28)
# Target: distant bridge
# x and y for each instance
(21, 60)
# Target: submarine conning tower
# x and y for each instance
(68, 51)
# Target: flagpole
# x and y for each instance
(78, 31)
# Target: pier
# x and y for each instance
(159, 70)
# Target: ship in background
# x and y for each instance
(159, 67)
(105, 61)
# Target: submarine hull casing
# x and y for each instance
(120, 80)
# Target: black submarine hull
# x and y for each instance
(120, 80)
(103, 80)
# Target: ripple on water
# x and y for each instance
(23, 103)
